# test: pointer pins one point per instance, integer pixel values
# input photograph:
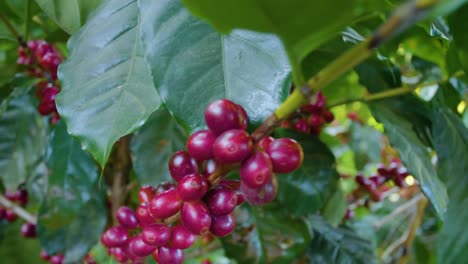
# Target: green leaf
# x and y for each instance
(22, 141)
(107, 91)
(366, 144)
(451, 144)
(407, 121)
(335, 208)
(193, 65)
(152, 146)
(74, 213)
(413, 153)
(307, 189)
(302, 25)
(337, 245)
(69, 15)
(458, 28)
(266, 235)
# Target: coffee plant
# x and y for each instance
(248, 131)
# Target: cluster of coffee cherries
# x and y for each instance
(311, 118)
(20, 197)
(42, 60)
(169, 218)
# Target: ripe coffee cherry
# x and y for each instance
(382, 170)
(232, 146)
(166, 255)
(10, 216)
(328, 116)
(192, 187)
(399, 181)
(243, 117)
(146, 193)
(321, 100)
(256, 170)
(119, 254)
(265, 142)
(223, 225)
(181, 164)
(365, 182)
(2, 213)
(196, 217)
(315, 120)
(263, 195)
(116, 236)
(143, 215)
(21, 196)
(200, 145)
(44, 255)
(10, 196)
(127, 217)
(48, 94)
(393, 168)
(286, 155)
(140, 248)
(402, 172)
(209, 167)
(165, 204)
(156, 235)
(301, 126)
(56, 259)
(221, 201)
(223, 115)
(181, 238)
(28, 230)
(377, 179)
(233, 185)
(46, 108)
(349, 214)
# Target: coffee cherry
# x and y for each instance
(146, 193)
(375, 195)
(166, 255)
(181, 164)
(265, 142)
(119, 254)
(181, 238)
(200, 145)
(349, 214)
(44, 255)
(10, 196)
(28, 230)
(21, 196)
(402, 172)
(10, 216)
(328, 116)
(206, 261)
(116, 236)
(244, 118)
(315, 120)
(223, 225)
(56, 259)
(209, 167)
(262, 195)
(46, 108)
(48, 94)
(140, 248)
(256, 170)
(399, 181)
(382, 170)
(233, 185)
(286, 155)
(165, 204)
(232, 146)
(143, 215)
(321, 101)
(301, 126)
(221, 201)
(393, 168)
(377, 179)
(192, 187)
(196, 217)
(223, 115)
(127, 217)
(156, 234)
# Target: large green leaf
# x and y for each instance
(413, 153)
(22, 141)
(73, 213)
(107, 88)
(69, 15)
(337, 245)
(307, 189)
(302, 25)
(193, 65)
(407, 121)
(152, 146)
(451, 144)
(458, 28)
(266, 235)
